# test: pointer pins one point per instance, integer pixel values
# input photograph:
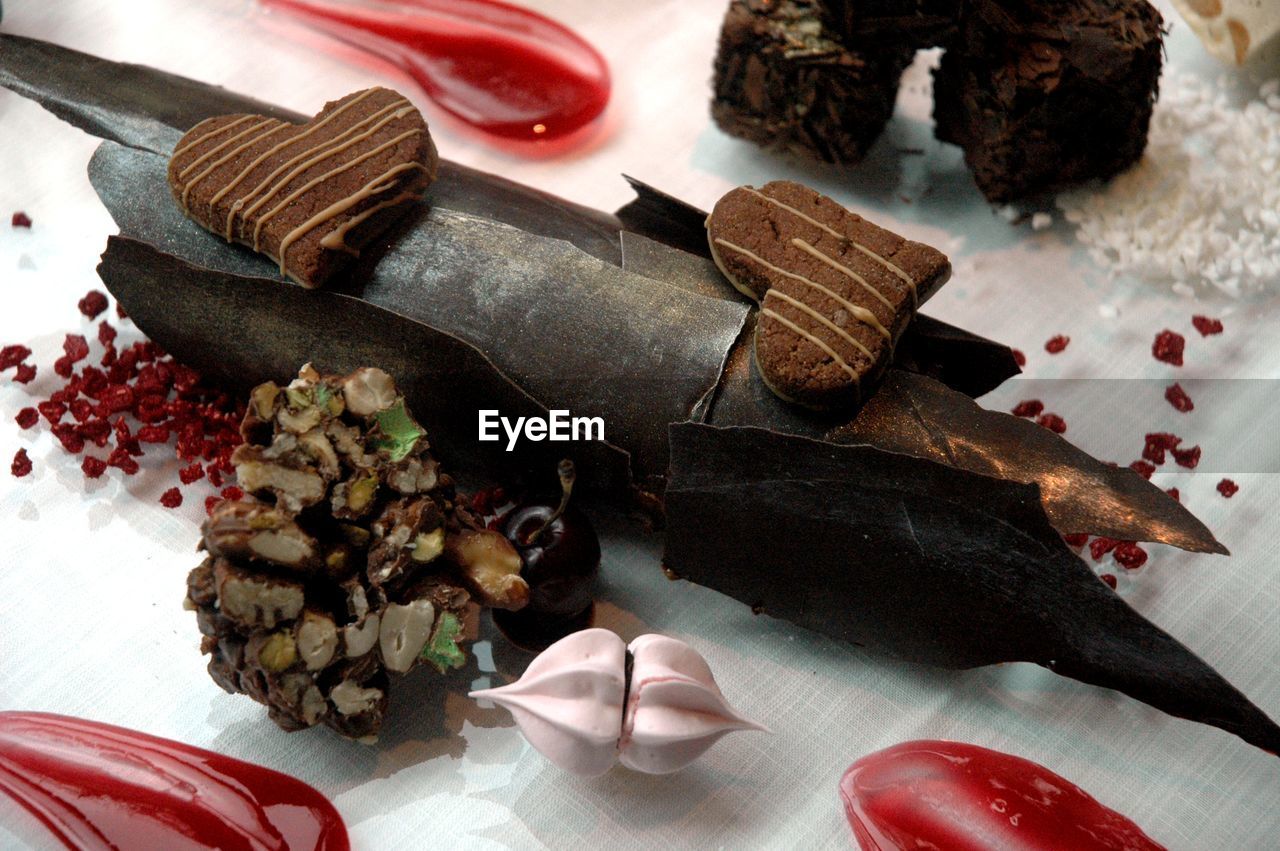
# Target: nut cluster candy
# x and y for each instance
(590, 700)
(348, 562)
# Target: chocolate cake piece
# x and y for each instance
(308, 195)
(835, 290)
(918, 23)
(784, 81)
(349, 563)
(1046, 93)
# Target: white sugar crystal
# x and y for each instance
(1202, 208)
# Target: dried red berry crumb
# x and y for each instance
(1099, 547)
(1110, 579)
(1168, 347)
(1228, 488)
(1157, 443)
(1178, 397)
(93, 467)
(1028, 408)
(171, 498)
(1076, 541)
(1053, 422)
(192, 473)
(1207, 325)
(1054, 345)
(27, 417)
(1175, 493)
(1129, 555)
(20, 220)
(1019, 358)
(1189, 458)
(11, 356)
(93, 304)
(21, 465)
(1143, 468)
(210, 503)
(25, 373)
(232, 493)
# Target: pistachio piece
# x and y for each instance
(277, 652)
(301, 420)
(318, 448)
(404, 633)
(350, 698)
(254, 600)
(317, 640)
(367, 391)
(428, 546)
(491, 567)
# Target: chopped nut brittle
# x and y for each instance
(344, 561)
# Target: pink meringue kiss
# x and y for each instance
(574, 706)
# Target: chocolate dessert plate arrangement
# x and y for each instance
(900, 515)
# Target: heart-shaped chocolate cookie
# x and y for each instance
(309, 196)
(835, 291)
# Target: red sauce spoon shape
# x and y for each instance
(508, 71)
(932, 794)
(102, 787)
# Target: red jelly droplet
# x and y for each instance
(97, 786)
(961, 797)
(505, 70)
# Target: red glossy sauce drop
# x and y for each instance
(98, 786)
(505, 70)
(961, 797)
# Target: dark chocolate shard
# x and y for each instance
(573, 331)
(145, 108)
(665, 218)
(918, 416)
(923, 561)
(278, 325)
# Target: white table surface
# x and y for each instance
(92, 574)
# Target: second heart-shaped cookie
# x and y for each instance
(311, 195)
(835, 291)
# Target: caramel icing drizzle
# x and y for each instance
(843, 334)
(197, 140)
(883, 261)
(278, 179)
(856, 311)
(316, 181)
(214, 151)
(381, 183)
(275, 149)
(223, 160)
(817, 341)
(841, 268)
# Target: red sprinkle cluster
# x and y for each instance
(1206, 325)
(133, 396)
(1228, 488)
(1178, 397)
(1054, 345)
(1168, 347)
(1028, 408)
(21, 220)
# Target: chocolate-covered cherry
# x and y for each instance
(561, 556)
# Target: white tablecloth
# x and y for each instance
(92, 573)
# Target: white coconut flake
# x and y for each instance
(1202, 208)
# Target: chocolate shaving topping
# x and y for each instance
(924, 561)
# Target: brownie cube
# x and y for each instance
(1042, 94)
(784, 81)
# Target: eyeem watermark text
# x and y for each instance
(557, 426)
